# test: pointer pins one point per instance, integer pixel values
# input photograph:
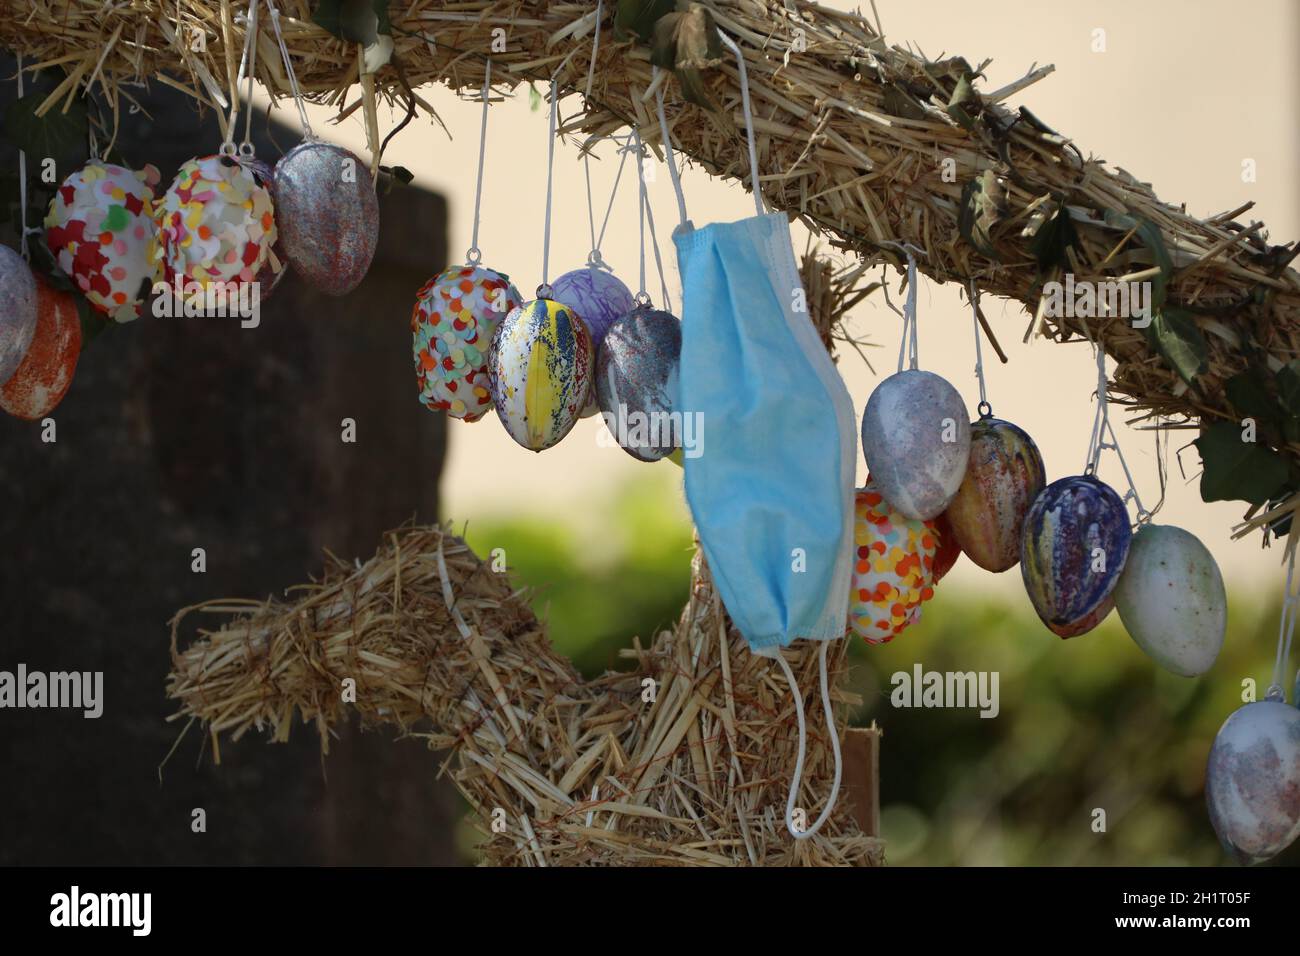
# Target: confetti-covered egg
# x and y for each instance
(916, 439)
(1085, 623)
(100, 228)
(328, 215)
(1072, 553)
(948, 551)
(1172, 600)
(636, 382)
(1252, 780)
(46, 372)
(599, 297)
(893, 568)
(540, 368)
(17, 310)
(216, 224)
(455, 316)
(277, 266)
(1003, 477)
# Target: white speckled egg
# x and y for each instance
(1252, 781)
(101, 230)
(1172, 600)
(916, 439)
(216, 224)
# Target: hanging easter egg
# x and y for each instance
(216, 225)
(1075, 543)
(1003, 477)
(916, 439)
(17, 310)
(455, 316)
(100, 229)
(44, 376)
(893, 570)
(539, 366)
(1252, 780)
(599, 297)
(636, 382)
(1172, 600)
(277, 266)
(948, 550)
(1085, 623)
(328, 214)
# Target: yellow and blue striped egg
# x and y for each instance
(540, 366)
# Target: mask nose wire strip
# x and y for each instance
(749, 120)
(803, 746)
(668, 151)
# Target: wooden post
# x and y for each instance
(862, 776)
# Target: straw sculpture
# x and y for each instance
(872, 146)
(869, 143)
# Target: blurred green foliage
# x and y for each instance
(1084, 724)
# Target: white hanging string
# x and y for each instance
(228, 147)
(22, 181)
(594, 257)
(307, 133)
(749, 121)
(544, 290)
(1101, 429)
(985, 409)
(668, 150)
(908, 347)
(642, 297)
(246, 147)
(1286, 629)
(803, 746)
(654, 245)
(473, 256)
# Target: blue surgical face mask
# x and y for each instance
(772, 497)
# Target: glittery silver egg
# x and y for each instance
(17, 311)
(327, 214)
(1252, 781)
(636, 382)
(916, 440)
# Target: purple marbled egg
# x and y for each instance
(277, 266)
(327, 214)
(600, 298)
(916, 440)
(17, 311)
(636, 382)
(1075, 544)
(1252, 780)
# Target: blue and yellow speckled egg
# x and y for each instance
(636, 382)
(540, 366)
(1003, 477)
(599, 297)
(916, 440)
(1252, 780)
(1075, 545)
(455, 316)
(893, 568)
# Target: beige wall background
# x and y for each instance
(1184, 92)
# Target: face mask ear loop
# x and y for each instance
(803, 746)
(668, 151)
(749, 120)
